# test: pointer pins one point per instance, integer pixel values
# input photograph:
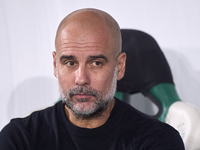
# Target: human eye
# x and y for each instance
(96, 63)
(70, 63)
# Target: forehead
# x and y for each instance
(84, 51)
(84, 41)
(83, 29)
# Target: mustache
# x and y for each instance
(83, 90)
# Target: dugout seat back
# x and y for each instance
(148, 72)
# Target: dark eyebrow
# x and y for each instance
(67, 57)
(99, 56)
(63, 57)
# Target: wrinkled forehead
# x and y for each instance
(84, 37)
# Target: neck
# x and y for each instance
(90, 123)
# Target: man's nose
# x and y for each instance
(82, 76)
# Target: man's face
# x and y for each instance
(86, 68)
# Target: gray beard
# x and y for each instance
(100, 104)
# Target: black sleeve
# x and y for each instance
(13, 137)
(168, 139)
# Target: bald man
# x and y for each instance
(87, 63)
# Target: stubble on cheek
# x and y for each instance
(91, 107)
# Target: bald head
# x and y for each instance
(88, 54)
(86, 22)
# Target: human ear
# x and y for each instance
(121, 64)
(54, 63)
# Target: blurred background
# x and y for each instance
(27, 32)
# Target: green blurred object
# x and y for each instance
(119, 95)
(166, 94)
(163, 95)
